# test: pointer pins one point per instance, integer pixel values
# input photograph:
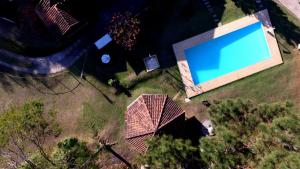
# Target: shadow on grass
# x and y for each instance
(167, 22)
(283, 26)
(280, 20)
(248, 7)
(56, 85)
(159, 30)
(100, 91)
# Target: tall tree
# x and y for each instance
(124, 28)
(252, 136)
(69, 153)
(72, 153)
(25, 129)
(168, 153)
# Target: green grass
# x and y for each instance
(274, 84)
(91, 120)
(90, 111)
(231, 12)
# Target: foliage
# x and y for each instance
(167, 152)
(69, 153)
(124, 29)
(280, 159)
(38, 160)
(254, 136)
(24, 129)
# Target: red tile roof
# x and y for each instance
(146, 115)
(54, 18)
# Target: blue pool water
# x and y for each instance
(227, 53)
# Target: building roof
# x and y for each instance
(146, 115)
(55, 18)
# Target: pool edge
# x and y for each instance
(178, 48)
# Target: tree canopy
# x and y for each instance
(124, 28)
(254, 136)
(247, 135)
(24, 130)
(69, 153)
(168, 153)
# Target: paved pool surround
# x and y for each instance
(196, 84)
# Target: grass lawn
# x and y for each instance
(85, 108)
(275, 84)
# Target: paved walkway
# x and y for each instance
(46, 65)
(291, 5)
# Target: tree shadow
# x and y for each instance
(283, 26)
(11, 81)
(158, 35)
(6, 83)
(248, 7)
(191, 129)
(195, 130)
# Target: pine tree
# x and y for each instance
(254, 136)
(168, 153)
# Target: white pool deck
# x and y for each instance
(179, 48)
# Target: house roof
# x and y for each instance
(146, 115)
(55, 18)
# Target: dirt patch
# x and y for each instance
(296, 78)
(195, 109)
(68, 105)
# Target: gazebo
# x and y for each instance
(148, 115)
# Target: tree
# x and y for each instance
(280, 159)
(124, 29)
(252, 136)
(69, 153)
(25, 129)
(167, 152)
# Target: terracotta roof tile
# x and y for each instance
(139, 142)
(170, 112)
(139, 119)
(55, 18)
(147, 114)
(155, 105)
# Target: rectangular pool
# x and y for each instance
(227, 53)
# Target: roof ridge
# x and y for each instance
(154, 129)
(174, 117)
(160, 114)
(132, 137)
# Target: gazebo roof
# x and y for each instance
(146, 115)
(54, 17)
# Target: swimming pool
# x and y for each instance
(227, 53)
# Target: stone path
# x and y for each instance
(46, 65)
(291, 5)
